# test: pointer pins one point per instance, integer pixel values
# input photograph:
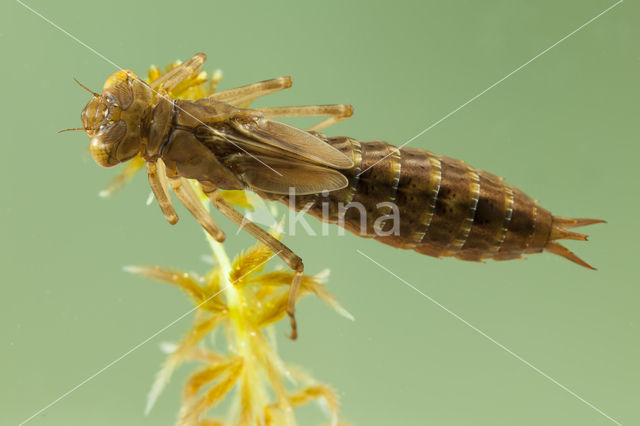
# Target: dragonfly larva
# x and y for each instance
(407, 198)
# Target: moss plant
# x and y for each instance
(245, 301)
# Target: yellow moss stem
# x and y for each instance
(242, 338)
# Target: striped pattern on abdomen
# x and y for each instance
(446, 207)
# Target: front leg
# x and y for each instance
(158, 182)
(289, 257)
(170, 80)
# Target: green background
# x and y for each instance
(564, 129)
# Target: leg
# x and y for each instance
(158, 183)
(290, 258)
(243, 96)
(179, 73)
(335, 113)
(189, 198)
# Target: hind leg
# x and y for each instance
(335, 113)
(285, 253)
(243, 96)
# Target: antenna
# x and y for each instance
(68, 130)
(86, 88)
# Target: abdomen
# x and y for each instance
(444, 206)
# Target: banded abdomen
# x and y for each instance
(446, 207)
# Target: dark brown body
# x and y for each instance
(404, 197)
(447, 208)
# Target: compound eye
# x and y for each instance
(89, 113)
(123, 93)
(105, 142)
(119, 87)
